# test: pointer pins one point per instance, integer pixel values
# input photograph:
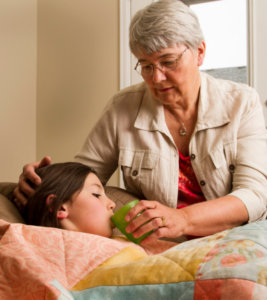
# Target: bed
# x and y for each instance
(45, 263)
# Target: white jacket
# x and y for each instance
(228, 147)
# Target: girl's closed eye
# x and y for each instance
(96, 195)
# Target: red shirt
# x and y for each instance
(189, 189)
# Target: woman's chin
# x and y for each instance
(168, 100)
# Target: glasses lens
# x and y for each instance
(139, 69)
(168, 65)
(144, 70)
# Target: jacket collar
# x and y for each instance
(151, 114)
(211, 110)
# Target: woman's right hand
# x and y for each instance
(29, 174)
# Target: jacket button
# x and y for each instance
(232, 167)
(202, 182)
(134, 173)
(192, 156)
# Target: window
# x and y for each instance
(224, 24)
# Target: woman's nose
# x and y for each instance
(158, 75)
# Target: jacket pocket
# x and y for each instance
(230, 154)
(216, 173)
(138, 169)
(224, 161)
(217, 158)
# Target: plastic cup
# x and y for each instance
(119, 221)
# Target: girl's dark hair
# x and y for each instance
(61, 180)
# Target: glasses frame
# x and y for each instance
(159, 66)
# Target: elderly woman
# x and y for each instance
(192, 145)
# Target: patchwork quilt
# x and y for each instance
(53, 264)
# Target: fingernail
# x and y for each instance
(127, 218)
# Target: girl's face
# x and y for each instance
(89, 211)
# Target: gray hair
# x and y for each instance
(164, 24)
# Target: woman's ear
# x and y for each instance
(201, 51)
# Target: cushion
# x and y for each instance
(120, 197)
(7, 188)
(9, 212)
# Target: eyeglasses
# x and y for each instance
(165, 65)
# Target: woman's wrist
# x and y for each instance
(213, 216)
(182, 222)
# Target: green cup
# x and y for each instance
(119, 221)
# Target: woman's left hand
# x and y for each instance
(165, 221)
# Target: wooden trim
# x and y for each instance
(250, 29)
(192, 2)
(125, 54)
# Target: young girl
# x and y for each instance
(70, 197)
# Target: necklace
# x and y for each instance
(182, 129)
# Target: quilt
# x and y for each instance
(53, 264)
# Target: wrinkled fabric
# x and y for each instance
(38, 263)
(229, 145)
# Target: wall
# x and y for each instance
(78, 72)
(59, 67)
(18, 49)
(259, 64)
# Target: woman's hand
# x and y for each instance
(200, 219)
(29, 174)
(165, 221)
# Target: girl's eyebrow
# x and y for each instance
(98, 185)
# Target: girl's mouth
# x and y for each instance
(112, 225)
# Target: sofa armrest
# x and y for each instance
(8, 210)
(119, 196)
(7, 188)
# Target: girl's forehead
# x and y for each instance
(92, 180)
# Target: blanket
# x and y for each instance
(46, 263)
